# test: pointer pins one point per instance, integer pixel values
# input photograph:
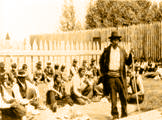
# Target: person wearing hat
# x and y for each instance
(74, 68)
(112, 67)
(67, 84)
(11, 107)
(95, 70)
(27, 72)
(58, 82)
(85, 66)
(10, 79)
(13, 73)
(48, 71)
(56, 69)
(82, 91)
(38, 75)
(26, 90)
(135, 87)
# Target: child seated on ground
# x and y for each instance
(135, 87)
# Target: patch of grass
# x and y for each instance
(153, 94)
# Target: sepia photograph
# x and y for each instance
(80, 59)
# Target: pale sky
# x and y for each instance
(23, 17)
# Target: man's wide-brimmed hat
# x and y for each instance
(21, 73)
(48, 63)
(74, 60)
(114, 35)
(39, 63)
(93, 60)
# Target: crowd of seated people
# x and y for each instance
(142, 68)
(16, 96)
(149, 68)
(19, 87)
(79, 84)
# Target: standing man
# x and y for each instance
(112, 67)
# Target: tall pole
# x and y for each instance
(135, 83)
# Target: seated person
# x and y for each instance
(58, 83)
(11, 107)
(67, 84)
(151, 65)
(97, 88)
(3, 71)
(94, 69)
(38, 75)
(74, 68)
(143, 66)
(13, 73)
(25, 90)
(155, 75)
(85, 66)
(49, 73)
(51, 101)
(82, 90)
(159, 73)
(28, 74)
(135, 87)
(56, 69)
(63, 73)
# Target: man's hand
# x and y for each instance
(60, 95)
(132, 52)
(86, 98)
(24, 102)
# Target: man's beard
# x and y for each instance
(115, 46)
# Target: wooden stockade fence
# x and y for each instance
(146, 39)
(61, 48)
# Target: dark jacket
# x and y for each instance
(124, 60)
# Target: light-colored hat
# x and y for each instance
(21, 73)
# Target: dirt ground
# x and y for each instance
(102, 110)
(94, 111)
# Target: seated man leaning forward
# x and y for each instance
(12, 108)
(82, 90)
(135, 88)
(25, 90)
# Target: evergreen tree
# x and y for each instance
(113, 13)
(68, 16)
